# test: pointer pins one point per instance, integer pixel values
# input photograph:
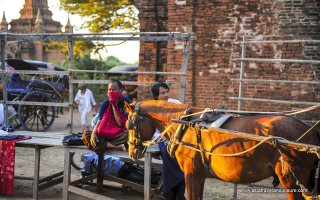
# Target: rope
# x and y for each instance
(308, 131)
(197, 113)
(155, 140)
(288, 113)
(305, 110)
(233, 154)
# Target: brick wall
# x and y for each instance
(216, 25)
(153, 18)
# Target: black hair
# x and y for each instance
(119, 84)
(156, 88)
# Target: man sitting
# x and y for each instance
(110, 131)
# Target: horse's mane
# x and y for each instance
(168, 110)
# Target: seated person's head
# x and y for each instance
(160, 91)
(114, 90)
(115, 86)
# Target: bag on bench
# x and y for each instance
(115, 167)
(134, 172)
(111, 166)
(72, 140)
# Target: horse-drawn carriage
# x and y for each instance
(35, 88)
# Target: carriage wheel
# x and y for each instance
(35, 117)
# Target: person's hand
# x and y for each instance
(94, 139)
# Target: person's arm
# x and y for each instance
(76, 99)
(103, 108)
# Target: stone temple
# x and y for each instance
(35, 17)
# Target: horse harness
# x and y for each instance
(133, 123)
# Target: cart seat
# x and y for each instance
(58, 86)
(17, 85)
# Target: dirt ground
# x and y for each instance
(52, 162)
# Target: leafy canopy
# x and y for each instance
(104, 15)
(85, 62)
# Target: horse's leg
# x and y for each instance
(288, 181)
(202, 188)
(195, 185)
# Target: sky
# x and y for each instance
(127, 52)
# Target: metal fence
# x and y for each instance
(244, 59)
(70, 38)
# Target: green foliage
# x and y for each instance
(85, 62)
(104, 15)
(80, 47)
(112, 61)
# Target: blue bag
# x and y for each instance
(112, 164)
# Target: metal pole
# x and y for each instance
(3, 54)
(185, 60)
(71, 66)
(278, 60)
(243, 55)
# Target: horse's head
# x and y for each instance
(140, 129)
(147, 116)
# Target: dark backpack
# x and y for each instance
(73, 140)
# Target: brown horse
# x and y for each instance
(291, 165)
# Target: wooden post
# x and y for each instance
(37, 152)
(71, 66)
(67, 173)
(147, 175)
(3, 55)
(100, 172)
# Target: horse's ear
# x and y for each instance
(130, 107)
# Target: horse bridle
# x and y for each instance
(133, 124)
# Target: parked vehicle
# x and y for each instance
(35, 88)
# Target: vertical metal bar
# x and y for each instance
(242, 65)
(3, 54)
(71, 66)
(185, 60)
(147, 175)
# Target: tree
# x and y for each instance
(104, 15)
(80, 47)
